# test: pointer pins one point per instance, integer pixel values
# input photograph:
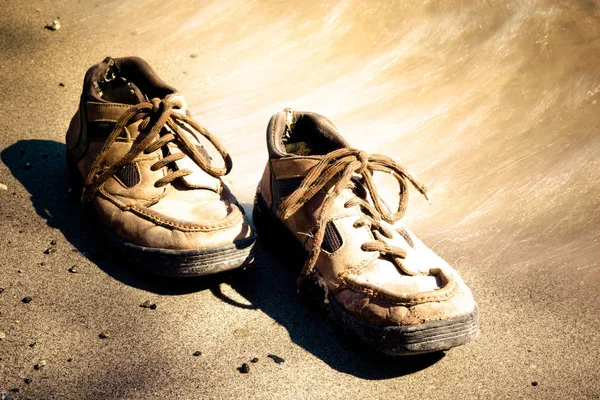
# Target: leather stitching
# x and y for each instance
(409, 300)
(395, 299)
(190, 228)
(229, 221)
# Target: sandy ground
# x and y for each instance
(495, 109)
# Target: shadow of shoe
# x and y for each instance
(40, 166)
(270, 286)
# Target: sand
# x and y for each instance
(494, 106)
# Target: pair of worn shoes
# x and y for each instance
(139, 161)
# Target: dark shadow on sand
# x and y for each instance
(269, 284)
(46, 180)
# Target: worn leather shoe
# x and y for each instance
(136, 158)
(378, 280)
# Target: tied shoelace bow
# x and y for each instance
(339, 167)
(156, 115)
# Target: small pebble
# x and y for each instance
(42, 264)
(27, 381)
(26, 299)
(1, 290)
(245, 368)
(277, 359)
(194, 55)
(9, 398)
(61, 85)
(15, 390)
(32, 345)
(104, 335)
(27, 165)
(40, 365)
(50, 250)
(73, 269)
(534, 383)
(53, 242)
(19, 271)
(254, 360)
(148, 304)
(54, 26)
(69, 359)
(197, 354)
(2, 335)
(3, 186)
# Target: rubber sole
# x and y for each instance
(409, 339)
(184, 263)
(168, 262)
(393, 340)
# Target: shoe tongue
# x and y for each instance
(198, 179)
(293, 167)
(103, 116)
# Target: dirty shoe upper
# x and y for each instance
(137, 157)
(378, 279)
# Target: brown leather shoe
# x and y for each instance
(378, 279)
(135, 156)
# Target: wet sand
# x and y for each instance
(494, 105)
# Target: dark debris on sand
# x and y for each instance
(148, 304)
(50, 250)
(40, 365)
(105, 335)
(244, 369)
(277, 359)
